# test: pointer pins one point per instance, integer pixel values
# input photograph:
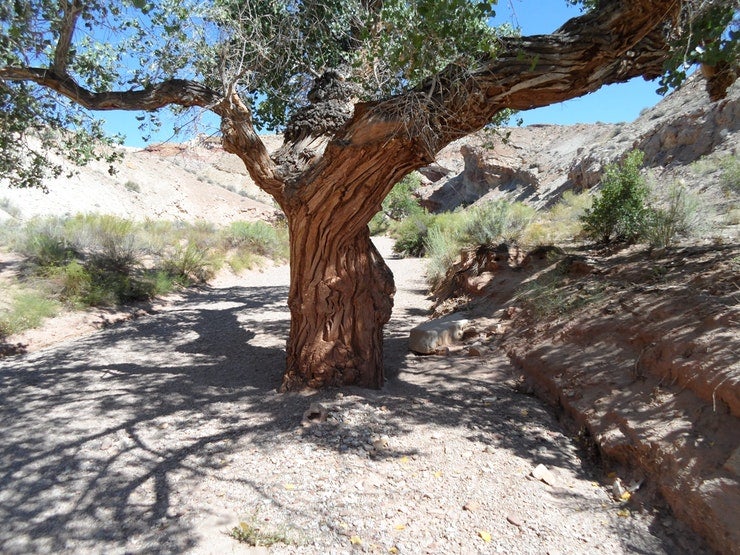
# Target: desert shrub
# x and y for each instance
(42, 242)
(497, 222)
(101, 260)
(620, 210)
(132, 186)
(110, 241)
(560, 222)
(242, 260)
(730, 166)
(257, 238)
(190, 264)
(26, 309)
(675, 212)
(726, 167)
(443, 249)
(256, 535)
(410, 234)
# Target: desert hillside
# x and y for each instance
(537, 164)
(190, 182)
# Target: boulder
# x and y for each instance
(429, 337)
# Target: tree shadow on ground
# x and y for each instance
(103, 436)
(87, 452)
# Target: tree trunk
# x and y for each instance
(341, 296)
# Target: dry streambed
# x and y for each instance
(162, 433)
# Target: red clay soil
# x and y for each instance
(641, 351)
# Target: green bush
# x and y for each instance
(411, 233)
(132, 186)
(190, 264)
(101, 260)
(110, 241)
(730, 165)
(242, 260)
(398, 205)
(620, 211)
(726, 166)
(498, 222)
(257, 238)
(560, 222)
(443, 249)
(676, 213)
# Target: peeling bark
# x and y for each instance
(341, 296)
(340, 159)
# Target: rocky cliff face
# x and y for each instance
(536, 164)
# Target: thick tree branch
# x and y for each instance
(239, 134)
(174, 91)
(240, 138)
(613, 44)
(72, 11)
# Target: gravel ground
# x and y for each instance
(161, 434)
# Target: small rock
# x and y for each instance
(544, 475)
(471, 506)
(618, 490)
(380, 443)
(430, 337)
(516, 520)
(475, 351)
(316, 413)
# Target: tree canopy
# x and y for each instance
(268, 51)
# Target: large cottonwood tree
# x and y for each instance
(365, 92)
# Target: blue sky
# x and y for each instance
(614, 103)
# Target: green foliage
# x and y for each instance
(443, 250)
(730, 165)
(256, 536)
(101, 260)
(190, 264)
(132, 186)
(411, 233)
(725, 166)
(257, 238)
(713, 39)
(620, 210)
(398, 205)
(562, 222)
(497, 222)
(26, 309)
(490, 223)
(269, 51)
(675, 212)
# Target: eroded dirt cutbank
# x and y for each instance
(642, 352)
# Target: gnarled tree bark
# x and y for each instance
(341, 159)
